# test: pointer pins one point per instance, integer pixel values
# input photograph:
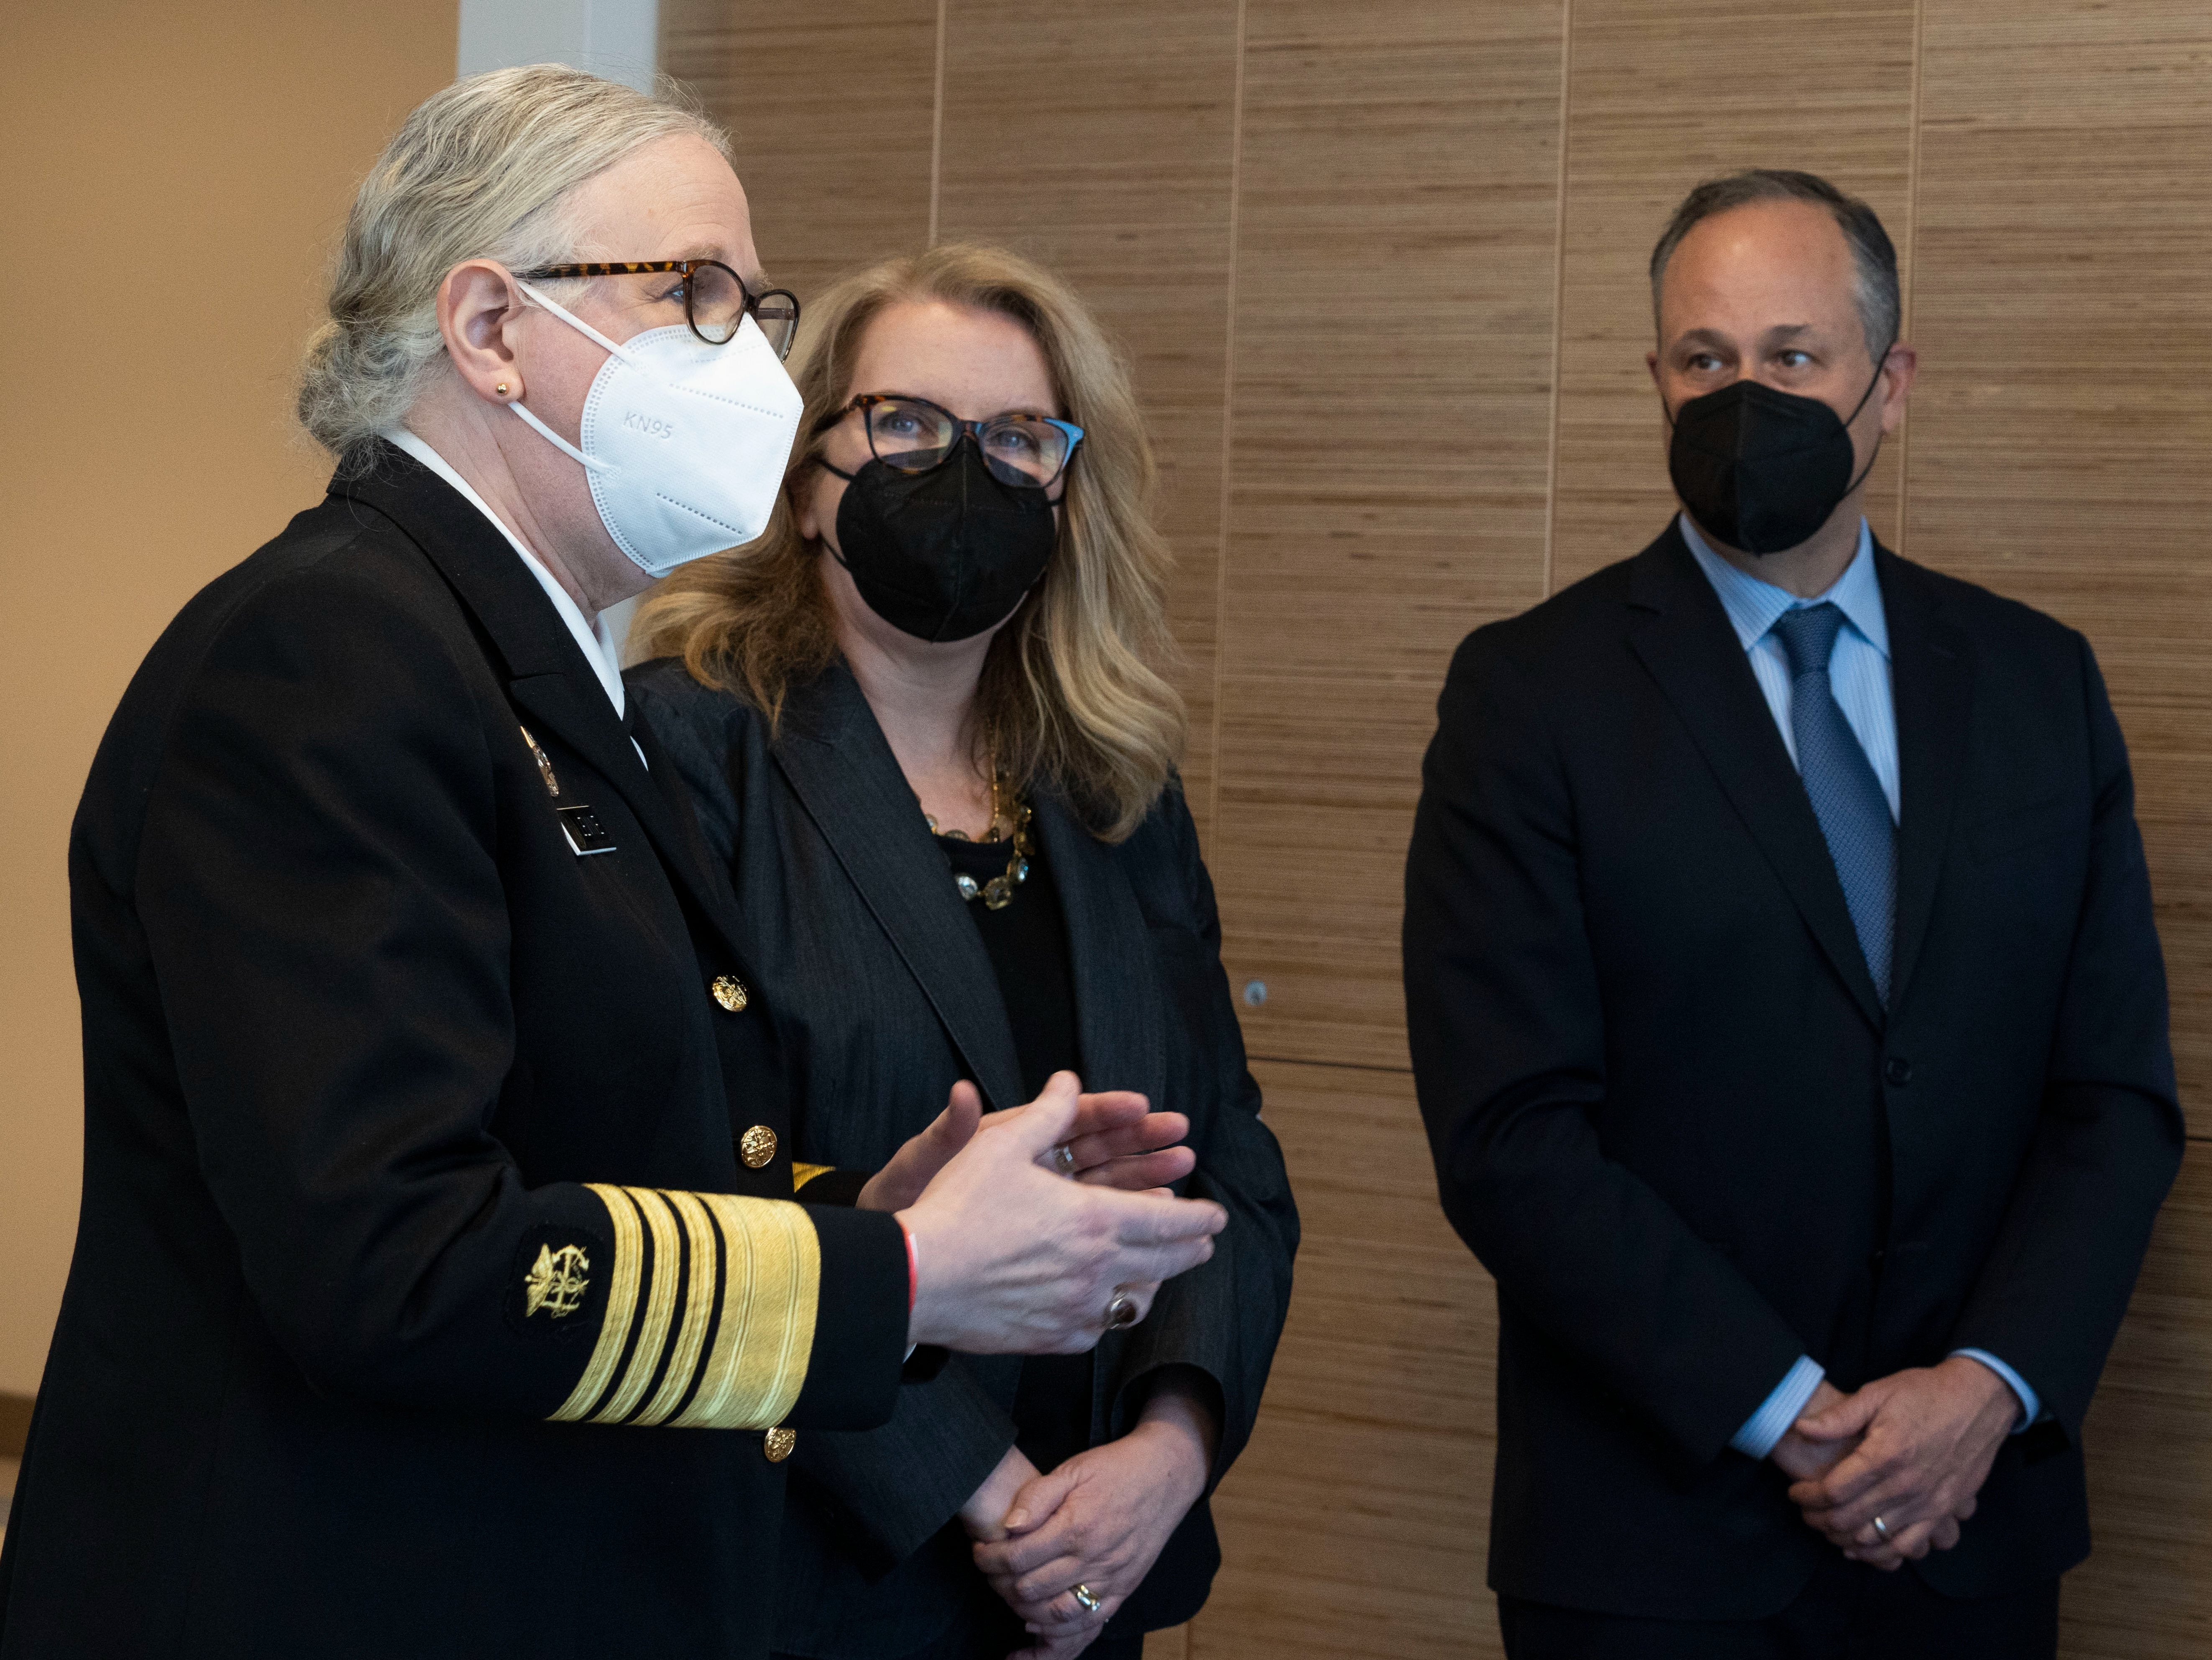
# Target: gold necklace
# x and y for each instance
(999, 892)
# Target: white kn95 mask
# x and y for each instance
(684, 442)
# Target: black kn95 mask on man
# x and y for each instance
(1762, 469)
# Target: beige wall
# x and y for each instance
(1378, 264)
(174, 176)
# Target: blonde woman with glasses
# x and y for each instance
(926, 723)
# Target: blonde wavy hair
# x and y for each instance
(1074, 689)
(481, 170)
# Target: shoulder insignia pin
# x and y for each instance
(556, 1281)
(544, 766)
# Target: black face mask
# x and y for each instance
(1762, 469)
(946, 554)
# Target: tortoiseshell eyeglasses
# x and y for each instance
(716, 301)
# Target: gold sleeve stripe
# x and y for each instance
(621, 1302)
(802, 1252)
(698, 1308)
(771, 1285)
(742, 1291)
(660, 1308)
(802, 1174)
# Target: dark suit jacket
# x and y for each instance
(1671, 1117)
(358, 1026)
(883, 997)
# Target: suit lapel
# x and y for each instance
(834, 755)
(1932, 683)
(1683, 636)
(575, 705)
(546, 672)
(1120, 1018)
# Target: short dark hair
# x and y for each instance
(1880, 300)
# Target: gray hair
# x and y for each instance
(1881, 301)
(481, 170)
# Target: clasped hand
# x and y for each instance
(1099, 1520)
(1913, 1449)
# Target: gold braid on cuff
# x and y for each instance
(709, 1314)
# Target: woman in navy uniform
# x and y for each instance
(437, 1167)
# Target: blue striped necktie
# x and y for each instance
(1847, 796)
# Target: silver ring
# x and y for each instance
(1087, 1599)
(1882, 1529)
(1063, 1156)
(1121, 1311)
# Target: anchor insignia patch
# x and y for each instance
(556, 1281)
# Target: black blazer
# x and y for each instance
(359, 1023)
(1670, 1117)
(883, 997)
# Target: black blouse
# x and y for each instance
(1026, 940)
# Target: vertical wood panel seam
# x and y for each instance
(1228, 429)
(937, 124)
(1558, 288)
(1911, 275)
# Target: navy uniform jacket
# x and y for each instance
(885, 996)
(1672, 1117)
(437, 1272)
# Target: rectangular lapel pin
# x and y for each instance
(585, 834)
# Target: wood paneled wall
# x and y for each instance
(1380, 269)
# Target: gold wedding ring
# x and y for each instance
(1088, 1599)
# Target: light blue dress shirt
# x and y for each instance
(1858, 674)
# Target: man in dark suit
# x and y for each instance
(439, 1288)
(1789, 1021)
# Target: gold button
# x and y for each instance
(757, 1147)
(778, 1443)
(730, 992)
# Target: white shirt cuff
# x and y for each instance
(1780, 1410)
(2031, 1405)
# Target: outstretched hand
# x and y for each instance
(919, 1158)
(1119, 1142)
(1115, 1141)
(1921, 1443)
(1012, 1259)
